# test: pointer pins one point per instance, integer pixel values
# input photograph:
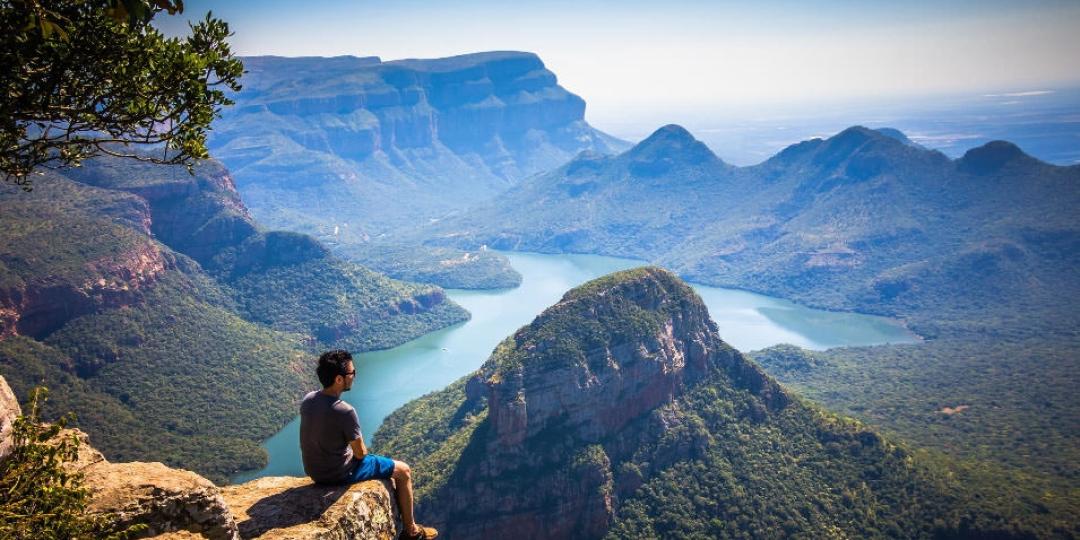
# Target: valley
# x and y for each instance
(388, 379)
(868, 333)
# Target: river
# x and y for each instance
(386, 380)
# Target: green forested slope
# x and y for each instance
(172, 378)
(344, 305)
(1001, 404)
(725, 457)
(152, 305)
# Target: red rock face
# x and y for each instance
(614, 385)
(42, 306)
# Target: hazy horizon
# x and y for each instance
(721, 54)
(776, 72)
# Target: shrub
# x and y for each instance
(39, 497)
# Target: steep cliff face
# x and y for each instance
(566, 399)
(198, 215)
(369, 146)
(485, 104)
(38, 307)
(69, 250)
(93, 238)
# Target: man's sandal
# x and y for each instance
(424, 533)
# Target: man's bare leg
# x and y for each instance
(403, 486)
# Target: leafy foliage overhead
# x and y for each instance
(89, 77)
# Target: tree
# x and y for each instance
(83, 78)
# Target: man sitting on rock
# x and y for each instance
(333, 447)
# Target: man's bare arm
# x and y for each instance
(358, 448)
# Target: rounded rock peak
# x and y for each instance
(665, 148)
(603, 285)
(991, 157)
(669, 133)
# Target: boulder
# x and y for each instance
(165, 499)
(289, 507)
(87, 457)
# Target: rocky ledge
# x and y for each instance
(289, 507)
(44, 303)
(179, 504)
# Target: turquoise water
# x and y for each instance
(386, 380)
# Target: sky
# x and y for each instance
(630, 56)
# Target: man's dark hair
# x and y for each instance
(331, 364)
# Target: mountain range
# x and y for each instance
(394, 141)
(864, 220)
(351, 150)
(158, 309)
(977, 255)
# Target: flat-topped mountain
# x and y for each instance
(863, 220)
(620, 412)
(150, 303)
(350, 148)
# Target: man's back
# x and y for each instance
(327, 426)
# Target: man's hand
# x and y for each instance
(358, 448)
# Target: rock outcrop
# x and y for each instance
(278, 508)
(9, 411)
(164, 499)
(179, 504)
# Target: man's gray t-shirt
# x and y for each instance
(327, 426)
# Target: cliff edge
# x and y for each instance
(179, 504)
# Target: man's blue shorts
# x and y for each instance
(372, 467)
